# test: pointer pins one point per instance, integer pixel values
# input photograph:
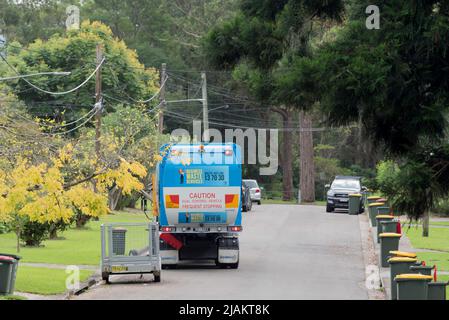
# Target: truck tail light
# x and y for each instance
(257, 190)
(168, 229)
(235, 228)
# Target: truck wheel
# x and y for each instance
(105, 277)
(259, 202)
(329, 208)
(234, 265)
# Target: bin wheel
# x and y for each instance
(105, 277)
(157, 278)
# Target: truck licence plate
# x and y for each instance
(119, 269)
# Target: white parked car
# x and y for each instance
(255, 190)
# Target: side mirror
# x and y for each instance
(364, 189)
(327, 186)
(262, 188)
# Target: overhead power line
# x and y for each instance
(50, 92)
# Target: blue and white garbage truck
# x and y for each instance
(197, 193)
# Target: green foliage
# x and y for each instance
(76, 52)
(4, 228)
(33, 233)
(441, 207)
(394, 79)
(386, 178)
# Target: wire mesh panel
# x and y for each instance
(130, 248)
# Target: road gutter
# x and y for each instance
(374, 284)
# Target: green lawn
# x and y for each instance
(12, 298)
(440, 259)
(44, 280)
(80, 247)
(438, 239)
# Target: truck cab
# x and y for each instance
(199, 196)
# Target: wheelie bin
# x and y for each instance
(372, 199)
(7, 265)
(396, 253)
(389, 226)
(426, 270)
(354, 203)
(372, 211)
(119, 241)
(436, 290)
(412, 286)
(399, 265)
(14, 270)
(388, 242)
(380, 219)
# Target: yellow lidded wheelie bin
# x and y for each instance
(412, 286)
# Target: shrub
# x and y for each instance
(387, 177)
(33, 233)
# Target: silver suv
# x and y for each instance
(254, 189)
(339, 191)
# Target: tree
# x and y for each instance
(395, 80)
(261, 43)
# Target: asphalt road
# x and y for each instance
(286, 252)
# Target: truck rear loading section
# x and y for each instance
(199, 197)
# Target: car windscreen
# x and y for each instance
(251, 183)
(346, 184)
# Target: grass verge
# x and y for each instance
(80, 246)
(437, 240)
(44, 281)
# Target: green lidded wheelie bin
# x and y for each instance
(389, 226)
(388, 242)
(372, 211)
(436, 290)
(380, 219)
(412, 286)
(119, 241)
(426, 270)
(354, 203)
(399, 265)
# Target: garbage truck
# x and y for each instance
(197, 196)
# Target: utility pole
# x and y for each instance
(162, 97)
(205, 107)
(98, 103)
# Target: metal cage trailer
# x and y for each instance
(130, 248)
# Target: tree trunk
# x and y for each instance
(287, 158)
(114, 196)
(306, 154)
(425, 224)
(18, 240)
(53, 233)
